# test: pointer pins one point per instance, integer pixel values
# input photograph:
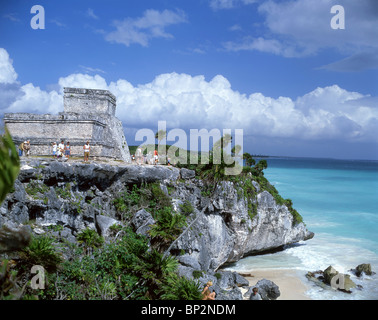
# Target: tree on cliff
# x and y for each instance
(160, 135)
(260, 166)
(215, 168)
(249, 161)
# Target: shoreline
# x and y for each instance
(289, 282)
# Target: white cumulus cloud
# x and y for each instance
(141, 30)
(299, 28)
(192, 102)
(7, 73)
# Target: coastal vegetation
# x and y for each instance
(125, 264)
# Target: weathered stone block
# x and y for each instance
(89, 115)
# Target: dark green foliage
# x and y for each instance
(218, 276)
(34, 187)
(259, 167)
(150, 197)
(9, 288)
(159, 199)
(249, 161)
(65, 192)
(186, 208)
(90, 238)
(127, 200)
(41, 251)
(124, 269)
(181, 288)
(197, 274)
(9, 164)
(167, 228)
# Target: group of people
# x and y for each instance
(24, 148)
(149, 158)
(61, 150)
(208, 295)
(64, 150)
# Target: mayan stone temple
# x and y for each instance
(89, 115)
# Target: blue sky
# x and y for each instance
(275, 69)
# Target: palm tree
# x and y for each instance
(235, 150)
(160, 135)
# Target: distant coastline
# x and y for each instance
(133, 148)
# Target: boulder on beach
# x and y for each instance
(331, 278)
(267, 289)
(328, 274)
(363, 268)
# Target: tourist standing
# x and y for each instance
(139, 155)
(67, 150)
(61, 147)
(21, 148)
(54, 149)
(156, 156)
(149, 156)
(27, 148)
(87, 149)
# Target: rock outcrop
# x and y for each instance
(330, 278)
(364, 268)
(267, 289)
(223, 228)
(73, 194)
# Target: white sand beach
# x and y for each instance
(288, 281)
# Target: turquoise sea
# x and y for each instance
(338, 200)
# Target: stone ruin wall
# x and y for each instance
(84, 101)
(88, 116)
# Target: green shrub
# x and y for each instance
(168, 224)
(9, 164)
(34, 187)
(181, 288)
(41, 251)
(125, 269)
(65, 192)
(160, 199)
(197, 274)
(90, 238)
(218, 276)
(186, 208)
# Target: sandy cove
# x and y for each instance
(288, 281)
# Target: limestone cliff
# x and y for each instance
(224, 229)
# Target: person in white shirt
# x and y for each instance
(55, 149)
(87, 149)
(61, 147)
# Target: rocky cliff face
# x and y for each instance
(225, 232)
(76, 196)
